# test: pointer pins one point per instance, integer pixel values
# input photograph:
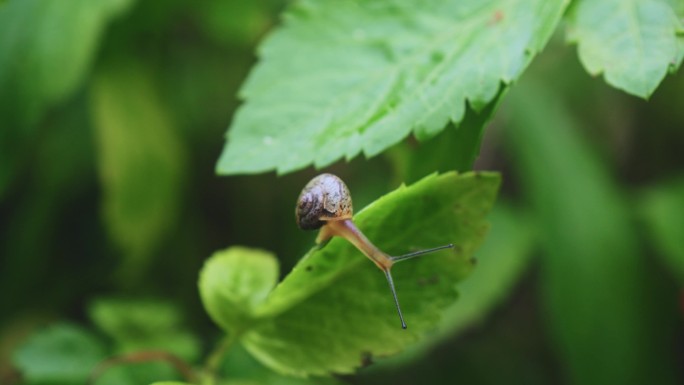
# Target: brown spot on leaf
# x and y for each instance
(366, 359)
(496, 17)
(432, 280)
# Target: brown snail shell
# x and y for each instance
(324, 198)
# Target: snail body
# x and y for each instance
(325, 203)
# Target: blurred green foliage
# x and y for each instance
(112, 118)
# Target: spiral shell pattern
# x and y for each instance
(324, 198)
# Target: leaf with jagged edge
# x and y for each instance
(633, 43)
(335, 309)
(343, 77)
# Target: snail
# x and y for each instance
(325, 203)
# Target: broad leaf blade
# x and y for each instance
(344, 77)
(336, 307)
(502, 259)
(633, 43)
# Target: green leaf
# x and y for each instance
(455, 148)
(141, 163)
(234, 282)
(344, 77)
(46, 48)
(633, 43)
(600, 297)
(335, 305)
(235, 22)
(62, 354)
(501, 260)
(137, 324)
(663, 211)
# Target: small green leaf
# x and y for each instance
(141, 163)
(344, 77)
(335, 306)
(45, 50)
(233, 282)
(632, 42)
(62, 353)
(137, 324)
(663, 211)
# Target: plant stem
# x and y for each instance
(213, 362)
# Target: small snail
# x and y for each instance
(325, 204)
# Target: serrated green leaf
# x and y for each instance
(137, 324)
(335, 305)
(141, 163)
(501, 261)
(45, 50)
(663, 210)
(455, 148)
(62, 353)
(344, 77)
(234, 282)
(633, 43)
(599, 295)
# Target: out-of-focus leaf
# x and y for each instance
(598, 291)
(141, 162)
(138, 325)
(382, 70)
(501, 260)
(663, 210)
(632, 43)
(234, 282)
(61, 171)
(46, 48)
(335, 291)
(235, 22)
(61, 354)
